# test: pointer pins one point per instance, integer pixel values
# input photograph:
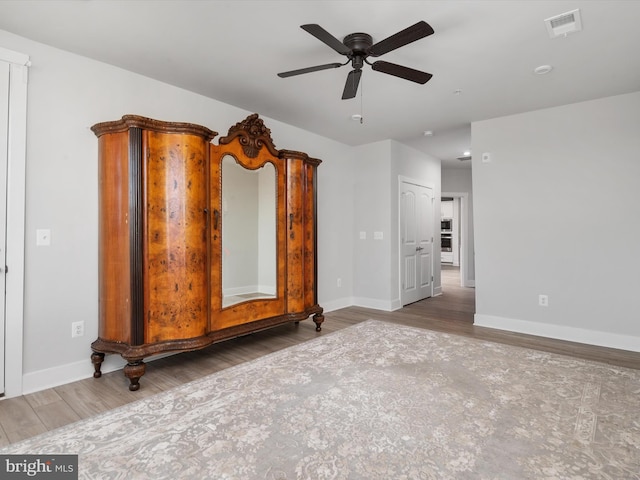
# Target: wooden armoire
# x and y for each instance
(199, 242)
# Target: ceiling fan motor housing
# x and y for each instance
(359, 43)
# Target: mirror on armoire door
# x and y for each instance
(249, 253)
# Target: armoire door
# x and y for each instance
(295, 235)
(176, 264)
(245, 241)
(301, 232)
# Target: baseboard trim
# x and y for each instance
(336, 304)
(374, 303)
(72, 372)
(560, 332)
(63, 374)
(365, 302)
(396, 304)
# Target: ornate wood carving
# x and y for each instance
(252, 135)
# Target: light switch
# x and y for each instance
(363, 235)
(377, 235)
(43, 237)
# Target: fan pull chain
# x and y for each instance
(361, 102)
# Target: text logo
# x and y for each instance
(50, 467)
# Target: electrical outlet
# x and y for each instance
(543, 300)
(77, 329)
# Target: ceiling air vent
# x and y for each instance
(464, 158)
(564, 24)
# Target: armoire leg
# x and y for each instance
(97, 359)
(318, 318)
(133, 371)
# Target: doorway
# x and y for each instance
(416, 241)
(13, 134)
(4, 148)
(462, 231)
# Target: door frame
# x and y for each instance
(464, 235)
(420, 183)
(16, 195)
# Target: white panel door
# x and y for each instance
(416, 242)
(4, 134)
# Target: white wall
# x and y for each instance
(557, 212)
(376, 261)
(67, 95)
(459, 180)
(372, 213)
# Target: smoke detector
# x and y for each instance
(564, 24)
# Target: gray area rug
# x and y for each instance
(374, 401)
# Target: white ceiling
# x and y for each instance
(232, 51)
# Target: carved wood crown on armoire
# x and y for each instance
(200, 242)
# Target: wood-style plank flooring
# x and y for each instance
(451, 312)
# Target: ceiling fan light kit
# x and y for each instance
(358, 47)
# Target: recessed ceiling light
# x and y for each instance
(542, 69)
(466, 153)
(428, 133)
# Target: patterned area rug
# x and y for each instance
(376, 401)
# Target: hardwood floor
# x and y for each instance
(451, 312)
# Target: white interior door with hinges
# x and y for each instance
(4, 146)
(416, 242)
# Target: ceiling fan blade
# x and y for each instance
(410, 34)
(310, 69)
(351, 86)
(402, 72)
(324, 36)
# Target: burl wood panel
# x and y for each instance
(295, 235)
(176, 266)
(114, 266)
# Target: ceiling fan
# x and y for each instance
(357, 47)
